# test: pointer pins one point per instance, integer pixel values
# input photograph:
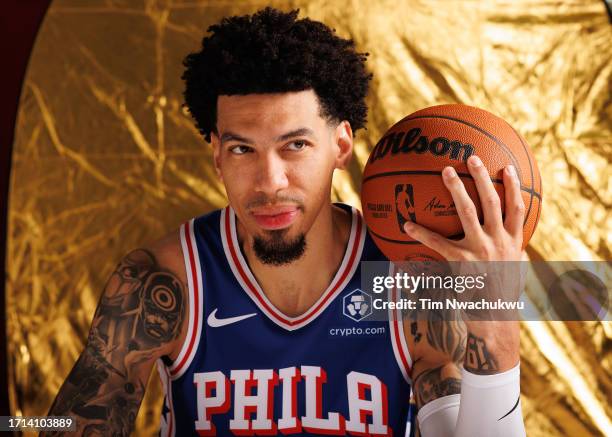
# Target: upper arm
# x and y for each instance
(436, 341)
(140, 318)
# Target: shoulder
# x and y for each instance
(163, 287)
(168, 252)
(169, 249)
(168, 255)
(157, 256)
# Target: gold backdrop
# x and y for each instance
(105, 160)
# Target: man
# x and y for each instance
(245, 311)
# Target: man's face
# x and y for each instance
(276, 156)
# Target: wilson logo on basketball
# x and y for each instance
(413, 141)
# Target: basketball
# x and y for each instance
(402, 178)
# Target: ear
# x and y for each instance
(343, 138)
(216, 145)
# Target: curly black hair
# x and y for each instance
(273, 52)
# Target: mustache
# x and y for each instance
(264, 200)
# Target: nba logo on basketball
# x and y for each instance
(357, 305)
(404, 205)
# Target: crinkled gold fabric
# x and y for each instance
(105, 160)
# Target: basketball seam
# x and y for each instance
(537, 218)
(391, 240)
(432, 172)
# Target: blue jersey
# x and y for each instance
(248, 369)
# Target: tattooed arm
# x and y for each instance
(437, 340)
(441, 347)
(441, 342)
(472, 363)
(492, 347)
(138, 320)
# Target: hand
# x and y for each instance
(492, 346)
(497, 239)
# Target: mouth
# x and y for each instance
(155, 330)
(275, 217)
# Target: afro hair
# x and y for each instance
(273, 52)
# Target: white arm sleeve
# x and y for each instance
(439, 417)
(489, 405)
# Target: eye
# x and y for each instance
(129, 272)
(297, 145)
(239, 150)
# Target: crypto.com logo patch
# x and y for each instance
(357, 305)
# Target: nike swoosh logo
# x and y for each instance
(214, 322)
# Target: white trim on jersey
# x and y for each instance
(194, 285)
(245, 277)
(398, 338)
(167, 429)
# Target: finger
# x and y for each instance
(463, 203)
(433, 240)
(489, 199)
(515, 206)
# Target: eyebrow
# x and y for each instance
(303, 131)
(230, 136)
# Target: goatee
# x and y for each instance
(276, 250)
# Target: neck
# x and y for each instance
(293, 288)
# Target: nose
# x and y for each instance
(271, 175)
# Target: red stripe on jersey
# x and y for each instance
(262, 301)
(196, 291)
(398, 341)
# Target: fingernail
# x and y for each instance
(408, 226)
(449, 172)
(511, 170)
(475, 161)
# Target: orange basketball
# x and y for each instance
(402, 178)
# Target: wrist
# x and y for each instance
(485, 381)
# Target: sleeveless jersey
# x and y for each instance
(248, 369)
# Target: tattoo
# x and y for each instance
(140, 311)
(414, 330)
(446, 332)
(440, 335)
(478, 359)
(448, 337)
(432, 384)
